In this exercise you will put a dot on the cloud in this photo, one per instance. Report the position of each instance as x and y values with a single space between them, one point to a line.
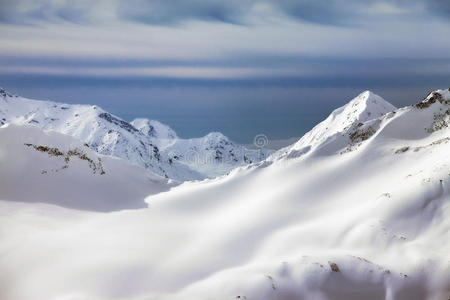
163 12
353 12
441 7
29 11
334 12
275 71
158 12
170 12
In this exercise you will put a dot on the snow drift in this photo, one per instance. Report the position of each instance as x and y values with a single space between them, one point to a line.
357 209
51 167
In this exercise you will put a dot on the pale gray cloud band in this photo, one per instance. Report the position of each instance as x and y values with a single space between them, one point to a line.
164 12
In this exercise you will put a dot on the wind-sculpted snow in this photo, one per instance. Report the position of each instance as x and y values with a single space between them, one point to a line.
319 222
56 168
147 143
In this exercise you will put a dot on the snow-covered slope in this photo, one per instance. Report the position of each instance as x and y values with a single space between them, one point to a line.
164 135
213 154
366 220
344 128
142 142
55 168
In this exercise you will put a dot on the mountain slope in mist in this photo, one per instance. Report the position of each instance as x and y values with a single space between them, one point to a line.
359 208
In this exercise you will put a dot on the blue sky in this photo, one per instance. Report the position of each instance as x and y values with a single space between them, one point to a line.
242 67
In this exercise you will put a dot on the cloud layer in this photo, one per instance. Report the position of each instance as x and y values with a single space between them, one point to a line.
160 12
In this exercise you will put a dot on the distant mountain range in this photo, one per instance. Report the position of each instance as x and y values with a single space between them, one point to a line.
147 143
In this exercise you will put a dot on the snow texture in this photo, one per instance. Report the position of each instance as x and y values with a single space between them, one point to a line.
347 212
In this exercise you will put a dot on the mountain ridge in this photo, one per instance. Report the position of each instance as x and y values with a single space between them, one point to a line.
345 127
152 145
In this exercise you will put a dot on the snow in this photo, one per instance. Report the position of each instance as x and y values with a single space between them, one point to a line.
334 130
86 181
213 154
338 215
146 143
164 135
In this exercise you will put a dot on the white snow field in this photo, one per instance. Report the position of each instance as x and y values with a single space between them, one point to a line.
359 208
51 167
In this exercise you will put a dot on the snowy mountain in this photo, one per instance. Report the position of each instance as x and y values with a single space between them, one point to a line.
358 208
345 128
51 167
146 143
163 134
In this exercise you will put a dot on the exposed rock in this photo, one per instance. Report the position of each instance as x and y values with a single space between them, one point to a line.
430 99
334 267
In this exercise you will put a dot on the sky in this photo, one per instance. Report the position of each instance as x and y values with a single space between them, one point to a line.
241 67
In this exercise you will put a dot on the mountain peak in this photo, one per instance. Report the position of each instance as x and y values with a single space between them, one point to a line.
439 95
216 136
365 107
160 134
147 143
